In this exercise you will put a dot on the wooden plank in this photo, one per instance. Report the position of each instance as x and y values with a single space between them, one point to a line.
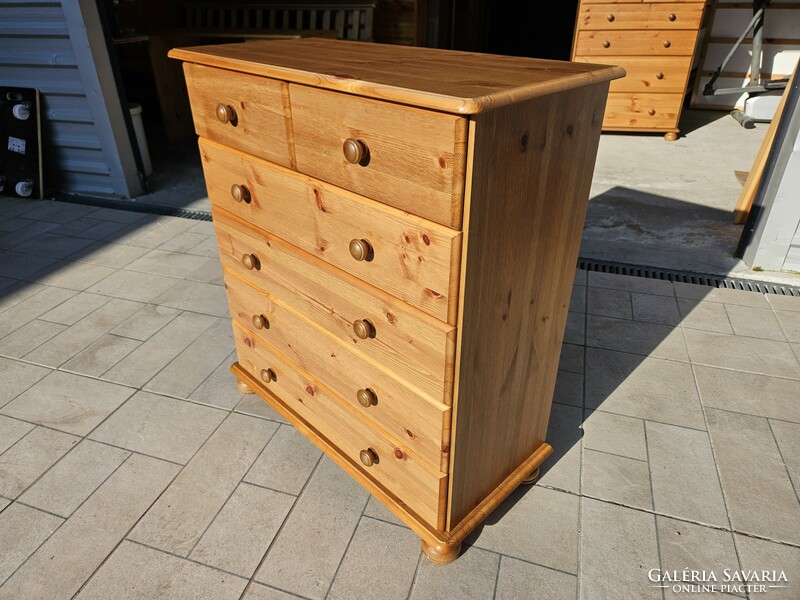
662 16
657 112
531 173
663 75
599 44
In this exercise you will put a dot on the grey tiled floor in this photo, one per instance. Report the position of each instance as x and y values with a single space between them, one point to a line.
130 467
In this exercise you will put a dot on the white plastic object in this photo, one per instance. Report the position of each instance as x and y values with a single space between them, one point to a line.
24 188
22 111
141 140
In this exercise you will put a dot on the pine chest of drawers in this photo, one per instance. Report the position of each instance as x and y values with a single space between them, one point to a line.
654 41
398 229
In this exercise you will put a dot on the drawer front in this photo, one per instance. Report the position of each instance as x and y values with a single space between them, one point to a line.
411 159
661 15
258 123
413 259
599 44
644 73
418 486
643 111
414 346
421 424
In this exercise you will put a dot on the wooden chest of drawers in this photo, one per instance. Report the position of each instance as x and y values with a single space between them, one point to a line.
398 229
654 41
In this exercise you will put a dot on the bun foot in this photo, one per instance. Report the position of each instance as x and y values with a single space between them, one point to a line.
671 136
441 554
532 477
243 387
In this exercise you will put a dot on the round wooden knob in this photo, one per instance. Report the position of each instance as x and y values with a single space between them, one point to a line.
672 16
610 18
260 322
667 43
240 193
354 150
606 44
368 457
659 75
651 112
226 113
267 375
366 397
360 249
363 329
250 262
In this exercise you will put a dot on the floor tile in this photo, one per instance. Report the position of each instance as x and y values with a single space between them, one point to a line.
219 388
71 275
758 492
11 431
177 521
67 559
141 365
148 321
709 294
59 212
618 548
787 435
655 309
328 512
183 242
609 303
252 404
243 530
695 494
172 264
200 358
575 332
33 307
760 554
520 579
74 478
257 591
101 355
18 377
22 531
19 265
392 554
76 308
742 354
780 303
111 255
102 230
471 577
631 284
708 316
790 324
29 337
571 358
643 387
24 462
156 233
616 479
210 271
130 285
68 402
120 216
569 388
159 426
577 302
50 244
758 395
377 510
754 322
198 297
286 463
529 513
615 434
562 469
16 291
649 339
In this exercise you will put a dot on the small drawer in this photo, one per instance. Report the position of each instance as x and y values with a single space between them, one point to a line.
599 44
650 111
422 424
665 75
417 348
640 16
408 158
386 461
406 256
240 110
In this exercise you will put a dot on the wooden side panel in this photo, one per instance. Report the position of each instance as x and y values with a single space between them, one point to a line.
531 174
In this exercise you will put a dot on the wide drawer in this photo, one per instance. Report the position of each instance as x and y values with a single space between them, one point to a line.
409 158
642 111
645 43
665 74
414 346
415 484
409 257
240 110
422 424
661 15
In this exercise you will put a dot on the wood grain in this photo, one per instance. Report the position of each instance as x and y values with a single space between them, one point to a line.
642 16
642 73
444 80
413 346
413 259
531 172
632 111
624 43
416 157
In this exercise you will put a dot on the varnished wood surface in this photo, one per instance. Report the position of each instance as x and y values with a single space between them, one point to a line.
448 81
640 16
417 348
634 43
531 171
632 111
413 259
642 73
423 425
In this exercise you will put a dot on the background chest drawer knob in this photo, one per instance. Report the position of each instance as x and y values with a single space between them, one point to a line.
659 75
250 262
363 329
260 322
268 375
366 397
355 151
667 43
226 114
368 457
610 18
360 249
606 44
651 112
240 193
672 16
